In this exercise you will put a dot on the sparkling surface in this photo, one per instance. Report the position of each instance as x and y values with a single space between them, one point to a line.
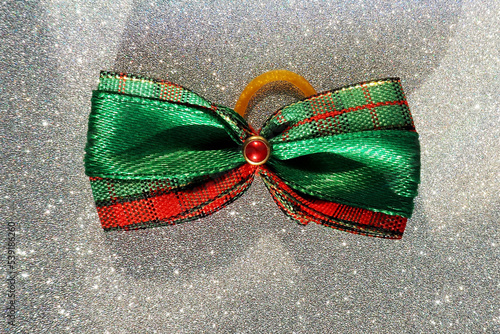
247 268
256 151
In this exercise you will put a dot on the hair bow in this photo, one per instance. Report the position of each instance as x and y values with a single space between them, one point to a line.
160 154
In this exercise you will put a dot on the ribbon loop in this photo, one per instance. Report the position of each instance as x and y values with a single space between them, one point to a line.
133 135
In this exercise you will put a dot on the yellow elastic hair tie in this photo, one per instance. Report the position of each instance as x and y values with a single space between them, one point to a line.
277 75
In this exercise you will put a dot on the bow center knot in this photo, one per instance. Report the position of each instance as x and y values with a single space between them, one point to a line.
256 150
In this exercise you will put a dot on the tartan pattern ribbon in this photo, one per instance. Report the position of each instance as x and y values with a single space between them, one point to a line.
160 154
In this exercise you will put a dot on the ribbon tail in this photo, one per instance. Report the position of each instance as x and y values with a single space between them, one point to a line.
304 209
138 204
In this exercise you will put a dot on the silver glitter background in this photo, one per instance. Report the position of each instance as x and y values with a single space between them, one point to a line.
247 268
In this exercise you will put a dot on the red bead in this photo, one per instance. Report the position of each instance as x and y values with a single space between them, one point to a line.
256 151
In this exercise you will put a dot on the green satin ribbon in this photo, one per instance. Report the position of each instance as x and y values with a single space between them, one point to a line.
140 138
373 169
136 138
